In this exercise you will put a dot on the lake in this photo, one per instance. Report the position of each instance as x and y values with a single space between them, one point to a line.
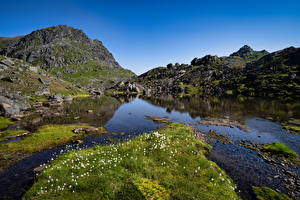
124 118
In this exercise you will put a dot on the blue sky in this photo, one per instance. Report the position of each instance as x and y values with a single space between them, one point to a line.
143 34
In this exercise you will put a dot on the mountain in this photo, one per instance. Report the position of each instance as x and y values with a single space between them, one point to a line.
258 73
67 53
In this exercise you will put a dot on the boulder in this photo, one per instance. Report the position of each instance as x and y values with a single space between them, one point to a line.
43 91
7 62
11 105
56 97
43 81
68 98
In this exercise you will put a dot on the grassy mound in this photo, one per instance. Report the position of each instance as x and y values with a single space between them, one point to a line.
280 149
168 164
265 193
46 137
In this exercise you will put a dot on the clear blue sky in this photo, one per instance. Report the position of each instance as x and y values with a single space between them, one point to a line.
144 34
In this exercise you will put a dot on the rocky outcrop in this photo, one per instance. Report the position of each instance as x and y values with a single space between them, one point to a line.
245 72
11 104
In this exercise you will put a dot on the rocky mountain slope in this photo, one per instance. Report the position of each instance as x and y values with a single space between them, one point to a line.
22 84
245 72
67 53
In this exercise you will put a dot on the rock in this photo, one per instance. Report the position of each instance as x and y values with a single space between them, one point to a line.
96 91
90 111
3 67
78 141
43 81
38 169
7 62
7 79
68 98
11 105
15 136
56 97
43 91
79 130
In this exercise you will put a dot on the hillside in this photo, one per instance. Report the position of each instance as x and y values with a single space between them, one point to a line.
67 53
245 72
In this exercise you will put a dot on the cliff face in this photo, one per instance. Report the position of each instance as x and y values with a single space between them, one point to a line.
68 53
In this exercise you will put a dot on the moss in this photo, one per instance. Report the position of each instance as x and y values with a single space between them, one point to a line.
4 122
229 92
11 134
279 148
220 138
265 193
151 189
292 129
157 165
46 137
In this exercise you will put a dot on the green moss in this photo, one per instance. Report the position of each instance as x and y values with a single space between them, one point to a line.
229 92
292 129
265 193
11 133
280 149
46 137
167 164
4 122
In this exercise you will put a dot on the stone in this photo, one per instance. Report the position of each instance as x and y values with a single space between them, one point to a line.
7 62
7 79
43 81
89 111
57 97
79 130
68 98
43 91
12 105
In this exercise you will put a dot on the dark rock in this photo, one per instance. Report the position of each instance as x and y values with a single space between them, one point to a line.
96 91
44 81
7 79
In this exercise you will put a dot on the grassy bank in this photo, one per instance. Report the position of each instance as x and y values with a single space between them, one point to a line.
46 137
168 164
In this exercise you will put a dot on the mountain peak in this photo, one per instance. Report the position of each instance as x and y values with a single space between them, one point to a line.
244 52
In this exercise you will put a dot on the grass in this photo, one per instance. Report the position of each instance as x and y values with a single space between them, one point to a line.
292 129
6 133
265 193
280 149
46 137
168 164
4 122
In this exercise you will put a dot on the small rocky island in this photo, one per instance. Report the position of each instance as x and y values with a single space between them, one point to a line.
75 124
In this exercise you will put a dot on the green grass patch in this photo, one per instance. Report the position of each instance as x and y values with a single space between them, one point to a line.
265 193
46 137
4 122
292 129
5 135
280 149
166 164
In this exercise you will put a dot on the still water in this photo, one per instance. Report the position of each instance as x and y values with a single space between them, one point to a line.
127 116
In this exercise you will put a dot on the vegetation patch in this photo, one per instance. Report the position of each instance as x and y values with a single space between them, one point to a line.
4 122
279 148
292 129
165 164
219 137
265 193
46 137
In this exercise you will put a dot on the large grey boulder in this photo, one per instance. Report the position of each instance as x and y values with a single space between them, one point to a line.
10 105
